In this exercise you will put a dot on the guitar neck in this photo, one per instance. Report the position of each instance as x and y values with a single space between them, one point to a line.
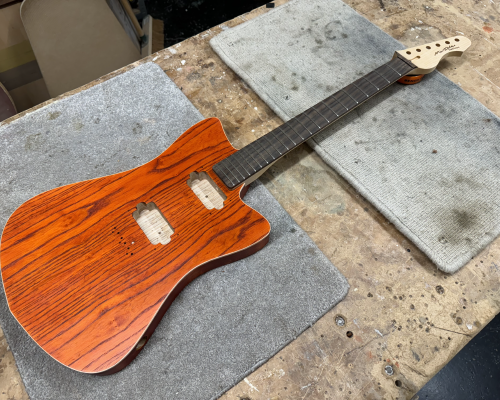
252 159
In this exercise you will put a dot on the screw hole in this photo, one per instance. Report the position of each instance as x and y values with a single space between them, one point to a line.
457 40
131 254
349 334
121 237
419 50
447 42
398 383
438 45
418 56
340 320
408 52
427 47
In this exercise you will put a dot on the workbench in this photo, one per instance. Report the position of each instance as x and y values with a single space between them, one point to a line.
404 319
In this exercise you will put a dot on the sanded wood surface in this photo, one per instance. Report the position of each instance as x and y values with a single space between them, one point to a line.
83 279
400 309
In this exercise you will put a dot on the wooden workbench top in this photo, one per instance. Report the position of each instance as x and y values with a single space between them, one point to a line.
401 310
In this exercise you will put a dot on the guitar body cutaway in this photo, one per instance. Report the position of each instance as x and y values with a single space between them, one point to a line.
85 281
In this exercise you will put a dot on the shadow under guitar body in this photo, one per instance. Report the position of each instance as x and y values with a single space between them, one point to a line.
84 280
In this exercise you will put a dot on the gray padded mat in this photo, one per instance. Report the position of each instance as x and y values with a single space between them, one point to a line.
445 201
225 323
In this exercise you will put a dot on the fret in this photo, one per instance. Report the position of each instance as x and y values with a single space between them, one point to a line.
278 137
389 65
230 170
348 94
256 156
360 89
238 158
268 150
246 157
387 73
306 114
332 97
294 121
308 125
400 65
249 155
222 166
377 79
284 131
334 105
354 93
278 143
383 77
345 100
326 105
259 153
289 143
366 87
271 150
326 112
266 138
229 160
265 153
371 83
315 109
241 158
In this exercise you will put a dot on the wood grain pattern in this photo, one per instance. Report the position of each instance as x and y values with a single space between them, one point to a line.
82 278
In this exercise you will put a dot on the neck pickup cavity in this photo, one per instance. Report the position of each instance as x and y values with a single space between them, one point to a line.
206 190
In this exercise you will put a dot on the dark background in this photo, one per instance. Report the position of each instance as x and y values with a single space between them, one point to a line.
185 18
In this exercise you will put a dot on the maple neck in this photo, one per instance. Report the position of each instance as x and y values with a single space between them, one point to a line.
252 159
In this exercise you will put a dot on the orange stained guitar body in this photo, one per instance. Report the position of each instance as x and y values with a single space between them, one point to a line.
84 280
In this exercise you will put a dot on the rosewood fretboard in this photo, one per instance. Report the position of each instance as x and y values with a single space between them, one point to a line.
256 156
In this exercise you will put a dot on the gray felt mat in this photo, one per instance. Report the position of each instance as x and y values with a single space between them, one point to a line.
445 201
225 323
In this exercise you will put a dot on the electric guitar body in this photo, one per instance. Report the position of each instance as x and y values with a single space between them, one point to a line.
90 268
89 279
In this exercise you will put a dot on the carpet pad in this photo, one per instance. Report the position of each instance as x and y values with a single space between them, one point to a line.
425 155
225 323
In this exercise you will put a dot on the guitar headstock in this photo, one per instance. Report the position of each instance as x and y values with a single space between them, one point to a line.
427 56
